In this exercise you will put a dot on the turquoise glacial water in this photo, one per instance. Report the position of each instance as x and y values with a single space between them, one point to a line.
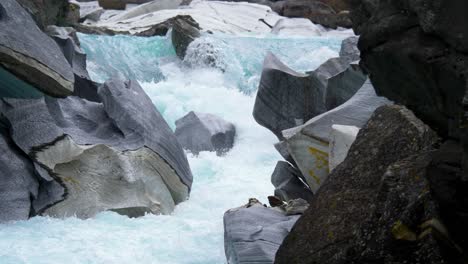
193 233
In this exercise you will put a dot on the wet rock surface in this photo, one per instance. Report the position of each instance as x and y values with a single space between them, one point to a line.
325 233
111 155
288 183
253 233
184 31
205 132
286 98
31 55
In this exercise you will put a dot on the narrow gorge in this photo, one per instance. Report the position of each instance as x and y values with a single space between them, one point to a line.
238 132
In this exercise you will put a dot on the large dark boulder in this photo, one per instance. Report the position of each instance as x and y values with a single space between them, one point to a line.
29 54
326 233
116 155
416 54
286 98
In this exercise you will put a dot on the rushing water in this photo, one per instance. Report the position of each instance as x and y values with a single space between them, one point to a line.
194 232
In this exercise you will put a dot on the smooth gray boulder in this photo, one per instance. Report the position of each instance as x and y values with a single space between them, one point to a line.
349 48
288 183
286 98
253 234
118 154
31 55
18 184
309 144
205 132
69 43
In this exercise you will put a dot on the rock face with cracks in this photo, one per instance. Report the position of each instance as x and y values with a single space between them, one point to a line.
28 53
116 155
327 231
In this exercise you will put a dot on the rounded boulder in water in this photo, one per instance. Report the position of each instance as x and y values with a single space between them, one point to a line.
205 132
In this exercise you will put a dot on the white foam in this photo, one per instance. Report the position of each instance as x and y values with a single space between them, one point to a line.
193 234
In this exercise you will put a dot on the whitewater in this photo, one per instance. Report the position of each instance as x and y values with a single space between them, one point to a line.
193 233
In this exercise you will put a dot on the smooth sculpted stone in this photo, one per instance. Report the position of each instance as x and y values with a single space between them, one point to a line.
118 154
286 98
309 144
341 139
349 48
205 132
327 231
253 234
288 183
184 31
18 184
69 43
296 26
211 16
31 55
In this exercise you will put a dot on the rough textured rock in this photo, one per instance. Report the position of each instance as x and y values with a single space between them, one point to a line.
205 132
341 139
405 224
253 234
417 57
327 230
112 4
117 154
309 144
47 12
296 206
184 31
318 12
447 178
288 183
18 184
287 98
31 55
68 42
